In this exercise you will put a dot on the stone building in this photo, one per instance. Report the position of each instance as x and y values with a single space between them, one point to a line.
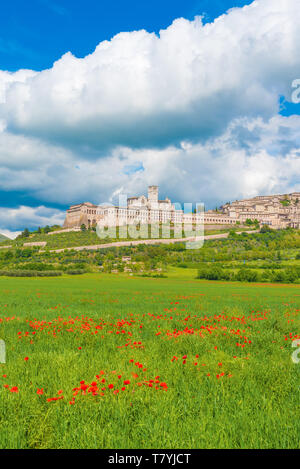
278 211
140 209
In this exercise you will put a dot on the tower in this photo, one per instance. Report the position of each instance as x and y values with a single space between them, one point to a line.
153 194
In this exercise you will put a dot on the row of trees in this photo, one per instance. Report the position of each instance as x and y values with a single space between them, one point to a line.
289 275
26 233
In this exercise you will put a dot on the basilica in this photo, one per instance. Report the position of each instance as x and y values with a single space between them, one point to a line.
277 211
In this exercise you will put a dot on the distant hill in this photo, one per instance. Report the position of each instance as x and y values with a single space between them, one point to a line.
66 239
3 238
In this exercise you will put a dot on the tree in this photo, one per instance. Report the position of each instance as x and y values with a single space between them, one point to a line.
285 202
232 234
291 275
247 275
265 229
83 227
25 233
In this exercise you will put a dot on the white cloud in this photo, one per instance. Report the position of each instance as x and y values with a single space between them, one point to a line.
10 234
194 110
24 216
141 90
251 157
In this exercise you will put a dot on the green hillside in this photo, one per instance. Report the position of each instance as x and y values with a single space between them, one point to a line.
88 237
268 256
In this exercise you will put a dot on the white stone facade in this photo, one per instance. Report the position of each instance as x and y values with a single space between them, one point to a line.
141 209
278 211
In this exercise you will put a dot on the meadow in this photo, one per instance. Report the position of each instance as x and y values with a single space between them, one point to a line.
119 361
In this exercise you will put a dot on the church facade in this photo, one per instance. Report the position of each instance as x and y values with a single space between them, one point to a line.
278 211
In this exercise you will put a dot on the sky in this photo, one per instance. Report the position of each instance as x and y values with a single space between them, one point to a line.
103 98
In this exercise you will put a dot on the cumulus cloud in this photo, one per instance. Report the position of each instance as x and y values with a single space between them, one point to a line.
193 109
251 157
23 216
144 90
263 159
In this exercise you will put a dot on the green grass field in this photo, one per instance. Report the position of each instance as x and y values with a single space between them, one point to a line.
237 387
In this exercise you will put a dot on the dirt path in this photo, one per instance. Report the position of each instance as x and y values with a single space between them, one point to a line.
145 241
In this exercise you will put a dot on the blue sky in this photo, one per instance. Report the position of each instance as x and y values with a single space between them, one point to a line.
35 33
200 107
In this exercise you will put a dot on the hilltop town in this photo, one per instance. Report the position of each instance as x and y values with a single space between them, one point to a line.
276 211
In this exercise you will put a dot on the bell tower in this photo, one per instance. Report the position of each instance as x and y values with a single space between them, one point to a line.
153 194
